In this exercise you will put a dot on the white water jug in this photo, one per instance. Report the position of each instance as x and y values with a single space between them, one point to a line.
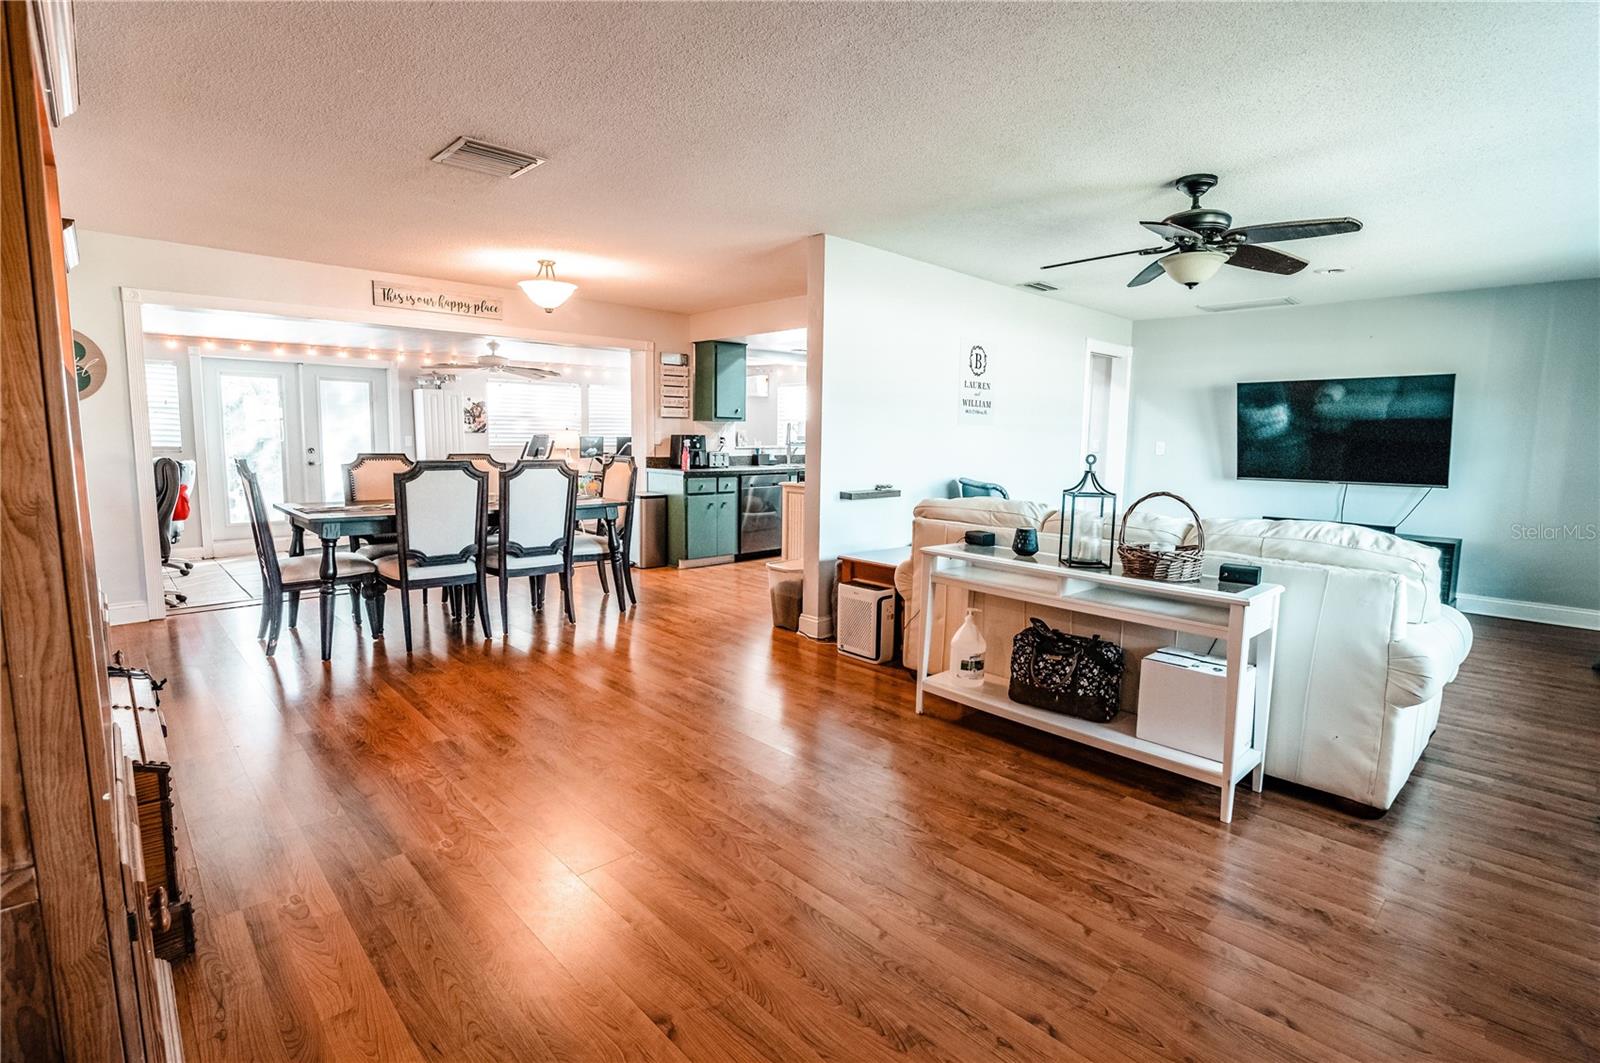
967 651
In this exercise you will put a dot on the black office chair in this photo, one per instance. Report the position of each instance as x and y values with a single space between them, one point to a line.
966 488
171 476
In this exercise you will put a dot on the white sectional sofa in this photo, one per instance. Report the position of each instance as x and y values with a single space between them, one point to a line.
1365 648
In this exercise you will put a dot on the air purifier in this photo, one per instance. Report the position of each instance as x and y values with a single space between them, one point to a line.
865 624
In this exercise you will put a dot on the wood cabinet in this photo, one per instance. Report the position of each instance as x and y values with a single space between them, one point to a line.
719 384
712 524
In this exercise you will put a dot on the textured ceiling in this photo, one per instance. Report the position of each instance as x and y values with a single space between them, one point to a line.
692 145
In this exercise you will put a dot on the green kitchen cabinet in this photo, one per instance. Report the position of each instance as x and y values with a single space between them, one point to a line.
711 524
719 381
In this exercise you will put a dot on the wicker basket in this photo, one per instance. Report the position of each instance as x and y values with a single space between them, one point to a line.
1178 565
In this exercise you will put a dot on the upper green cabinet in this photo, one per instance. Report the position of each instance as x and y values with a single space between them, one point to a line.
719 381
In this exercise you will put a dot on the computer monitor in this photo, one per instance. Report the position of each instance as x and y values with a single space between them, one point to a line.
538 447
590 446
624 446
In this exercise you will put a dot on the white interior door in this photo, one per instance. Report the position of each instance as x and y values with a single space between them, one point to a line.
251 411
346 413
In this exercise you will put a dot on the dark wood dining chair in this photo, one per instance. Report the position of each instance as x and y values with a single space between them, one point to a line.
441 521
287 575
370 478
537 530
619 484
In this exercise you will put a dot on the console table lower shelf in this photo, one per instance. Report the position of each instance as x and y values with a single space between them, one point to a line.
1245 619
1114 737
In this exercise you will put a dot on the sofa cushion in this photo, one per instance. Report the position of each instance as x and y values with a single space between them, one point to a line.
982 512
1143 528
1345 545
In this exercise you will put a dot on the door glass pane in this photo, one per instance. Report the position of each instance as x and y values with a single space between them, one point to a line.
344 409
252 429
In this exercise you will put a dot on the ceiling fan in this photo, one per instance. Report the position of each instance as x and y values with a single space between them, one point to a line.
1201 240
494 363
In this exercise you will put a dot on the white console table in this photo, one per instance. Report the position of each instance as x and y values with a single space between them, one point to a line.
1246 618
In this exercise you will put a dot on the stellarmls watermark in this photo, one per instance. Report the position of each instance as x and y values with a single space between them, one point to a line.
1581 532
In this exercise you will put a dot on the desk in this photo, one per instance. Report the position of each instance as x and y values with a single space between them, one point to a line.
332 521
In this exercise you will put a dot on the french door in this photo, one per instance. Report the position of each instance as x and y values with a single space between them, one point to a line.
296 425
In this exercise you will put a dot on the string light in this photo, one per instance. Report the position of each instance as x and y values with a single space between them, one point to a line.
279 351
246 347
208 345
172 344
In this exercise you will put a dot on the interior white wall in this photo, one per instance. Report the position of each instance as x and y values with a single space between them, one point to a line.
1525 453
885 372
774 315
111 263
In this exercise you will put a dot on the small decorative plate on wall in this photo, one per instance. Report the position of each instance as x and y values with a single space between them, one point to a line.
90 363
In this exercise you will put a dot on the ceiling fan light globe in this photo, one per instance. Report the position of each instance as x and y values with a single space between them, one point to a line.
1190 268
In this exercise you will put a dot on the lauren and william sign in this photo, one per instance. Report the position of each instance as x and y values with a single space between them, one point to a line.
437 300
977 389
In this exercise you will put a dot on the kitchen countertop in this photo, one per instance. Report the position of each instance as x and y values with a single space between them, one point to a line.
738 470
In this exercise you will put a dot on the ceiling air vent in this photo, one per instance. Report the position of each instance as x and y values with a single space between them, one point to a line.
1039 286
482 157
1259 304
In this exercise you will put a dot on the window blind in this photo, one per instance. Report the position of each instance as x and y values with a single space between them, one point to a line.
610 411
161 394
519 408
792 408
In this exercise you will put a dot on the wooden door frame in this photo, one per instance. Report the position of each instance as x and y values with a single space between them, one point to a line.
53 659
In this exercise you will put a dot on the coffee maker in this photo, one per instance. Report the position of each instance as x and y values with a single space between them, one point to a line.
689 452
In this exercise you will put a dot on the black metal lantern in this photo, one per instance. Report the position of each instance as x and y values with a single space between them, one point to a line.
1088 522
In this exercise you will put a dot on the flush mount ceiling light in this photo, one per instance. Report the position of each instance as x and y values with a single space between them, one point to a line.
1189 268
546 292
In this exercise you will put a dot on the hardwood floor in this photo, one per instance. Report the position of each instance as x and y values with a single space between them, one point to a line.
685 836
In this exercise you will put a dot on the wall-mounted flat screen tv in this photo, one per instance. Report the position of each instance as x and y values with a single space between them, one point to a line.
1361 430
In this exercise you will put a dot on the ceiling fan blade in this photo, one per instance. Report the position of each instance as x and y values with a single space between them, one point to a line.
1175 233
1114 254
1148 274
1266 260
451 367
528 372
1292 230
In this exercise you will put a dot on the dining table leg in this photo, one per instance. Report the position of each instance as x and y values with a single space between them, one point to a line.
327 573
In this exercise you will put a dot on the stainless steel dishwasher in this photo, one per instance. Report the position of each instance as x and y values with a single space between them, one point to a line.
761 514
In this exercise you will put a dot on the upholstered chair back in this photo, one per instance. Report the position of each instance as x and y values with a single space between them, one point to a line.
370 477
536 508
440 510
485 464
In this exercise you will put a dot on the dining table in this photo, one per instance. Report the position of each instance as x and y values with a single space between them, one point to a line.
329 522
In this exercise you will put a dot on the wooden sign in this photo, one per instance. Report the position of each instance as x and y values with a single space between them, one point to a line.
437 300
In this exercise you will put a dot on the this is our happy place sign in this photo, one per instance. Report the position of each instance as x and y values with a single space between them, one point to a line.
436 300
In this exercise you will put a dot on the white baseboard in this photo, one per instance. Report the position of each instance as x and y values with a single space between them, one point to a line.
127 613
1536 612
819 628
